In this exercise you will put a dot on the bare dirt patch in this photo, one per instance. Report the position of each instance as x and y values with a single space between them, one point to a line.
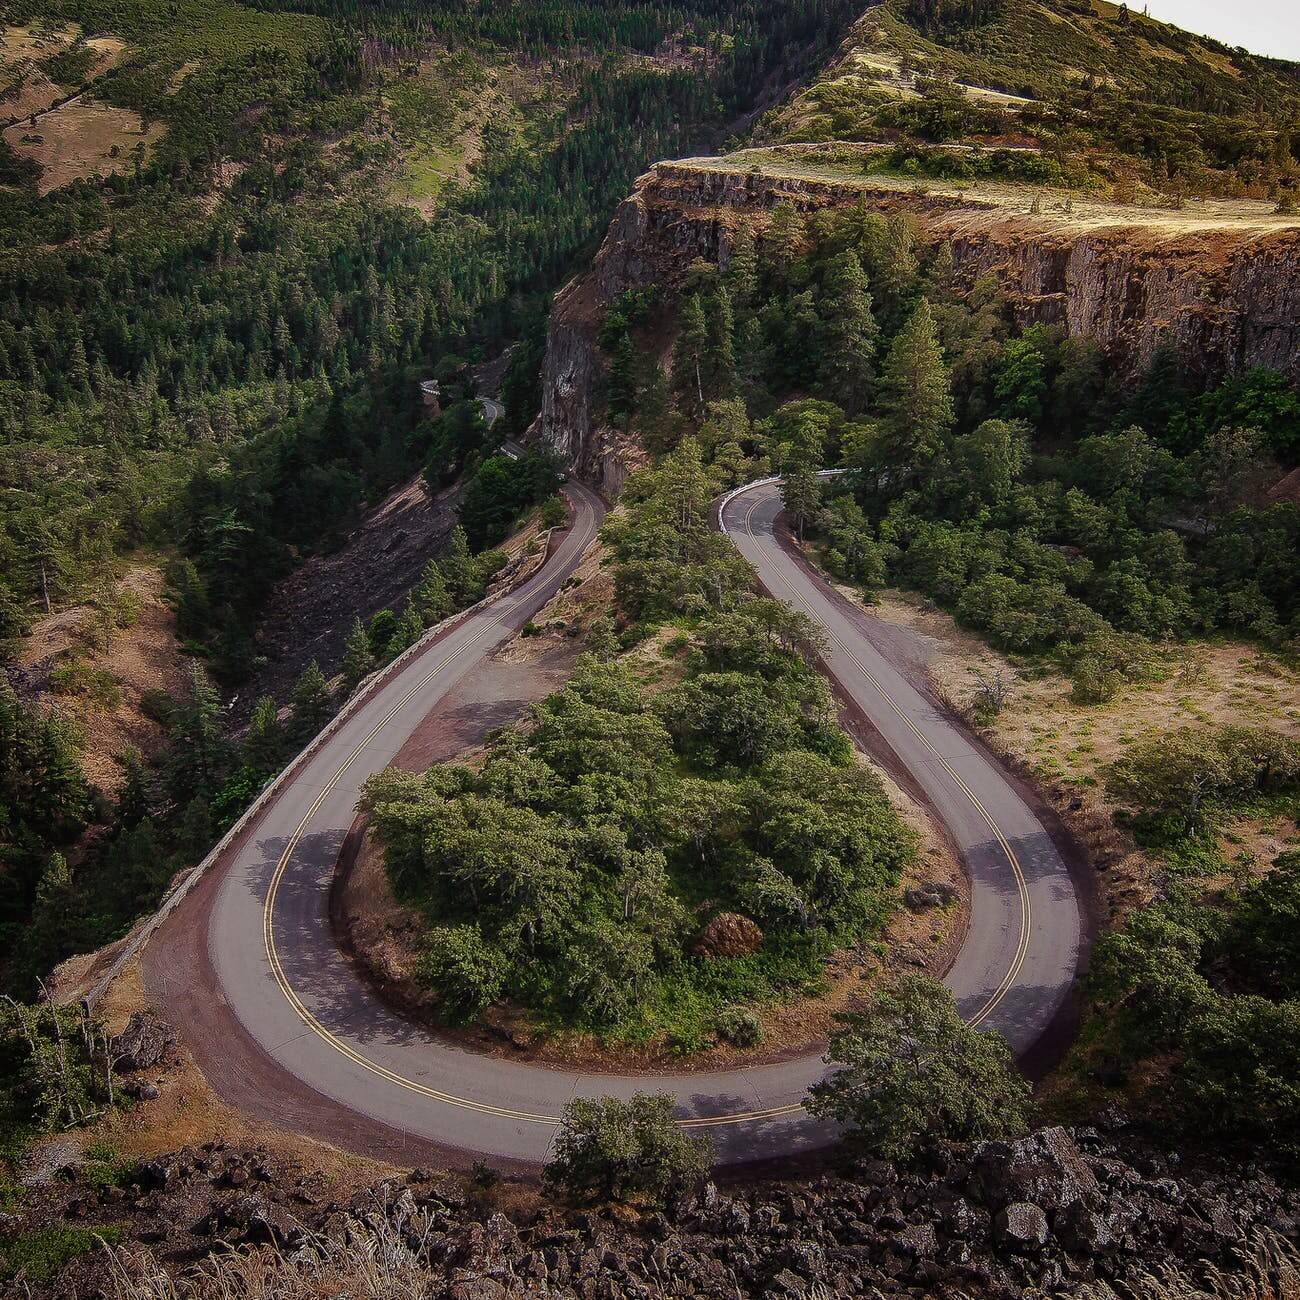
186 1112
85 643
83 138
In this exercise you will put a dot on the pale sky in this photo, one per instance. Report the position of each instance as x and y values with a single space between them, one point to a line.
1263 26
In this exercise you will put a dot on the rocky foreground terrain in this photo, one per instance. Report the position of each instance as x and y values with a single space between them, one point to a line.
1053 1211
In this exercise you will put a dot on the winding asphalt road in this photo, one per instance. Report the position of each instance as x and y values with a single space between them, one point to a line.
296 1000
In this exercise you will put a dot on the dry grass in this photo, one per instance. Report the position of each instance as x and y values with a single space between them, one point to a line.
840 164
1067 747
24 87
140 656
377 1260
1268 1269
383 1260
82 138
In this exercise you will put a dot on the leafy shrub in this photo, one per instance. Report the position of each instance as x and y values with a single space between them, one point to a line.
739 1026
1181 774
633 1150
40 1256
463 968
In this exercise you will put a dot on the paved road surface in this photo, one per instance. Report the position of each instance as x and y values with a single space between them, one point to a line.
1023 948
280 975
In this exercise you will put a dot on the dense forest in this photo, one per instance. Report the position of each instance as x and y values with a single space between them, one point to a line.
212 353
230 370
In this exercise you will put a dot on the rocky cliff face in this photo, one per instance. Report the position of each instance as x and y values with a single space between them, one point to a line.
1225 298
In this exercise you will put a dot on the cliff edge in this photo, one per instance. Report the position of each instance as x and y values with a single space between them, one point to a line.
1216 280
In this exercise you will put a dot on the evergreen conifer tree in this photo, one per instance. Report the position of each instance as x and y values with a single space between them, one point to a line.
916 393
358 657
311 703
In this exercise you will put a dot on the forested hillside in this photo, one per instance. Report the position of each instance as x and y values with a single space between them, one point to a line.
1104 97
214 348
232 240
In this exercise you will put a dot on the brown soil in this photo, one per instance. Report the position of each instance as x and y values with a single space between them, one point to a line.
140 657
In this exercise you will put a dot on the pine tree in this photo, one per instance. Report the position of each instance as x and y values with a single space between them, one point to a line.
264 741
358 657
658 419
458 568
52 933
916 394
409 629
801 494
310 703
785 237
690 353
622 385
198 746
849 333
741 276
721 381
751 350
431 596
131 806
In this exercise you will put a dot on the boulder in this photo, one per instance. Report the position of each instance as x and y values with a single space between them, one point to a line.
142 1044
931 893
1044 1168
1022 1227
729 934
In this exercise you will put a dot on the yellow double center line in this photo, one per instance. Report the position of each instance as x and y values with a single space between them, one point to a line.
344 1048
1022 947
466 1103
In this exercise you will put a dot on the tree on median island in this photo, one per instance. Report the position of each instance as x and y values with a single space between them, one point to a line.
912 1069
612 1150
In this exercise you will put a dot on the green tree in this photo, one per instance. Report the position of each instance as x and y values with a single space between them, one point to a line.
801 493
631 1151
848 333
198 745
466 971
720 351
916 394
621 388
457 567
310 705
13 623
741 275
263 746
911 1069
690 358
431 596
358 657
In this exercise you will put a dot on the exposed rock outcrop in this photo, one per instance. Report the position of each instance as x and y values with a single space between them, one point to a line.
1225 298
940 1228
